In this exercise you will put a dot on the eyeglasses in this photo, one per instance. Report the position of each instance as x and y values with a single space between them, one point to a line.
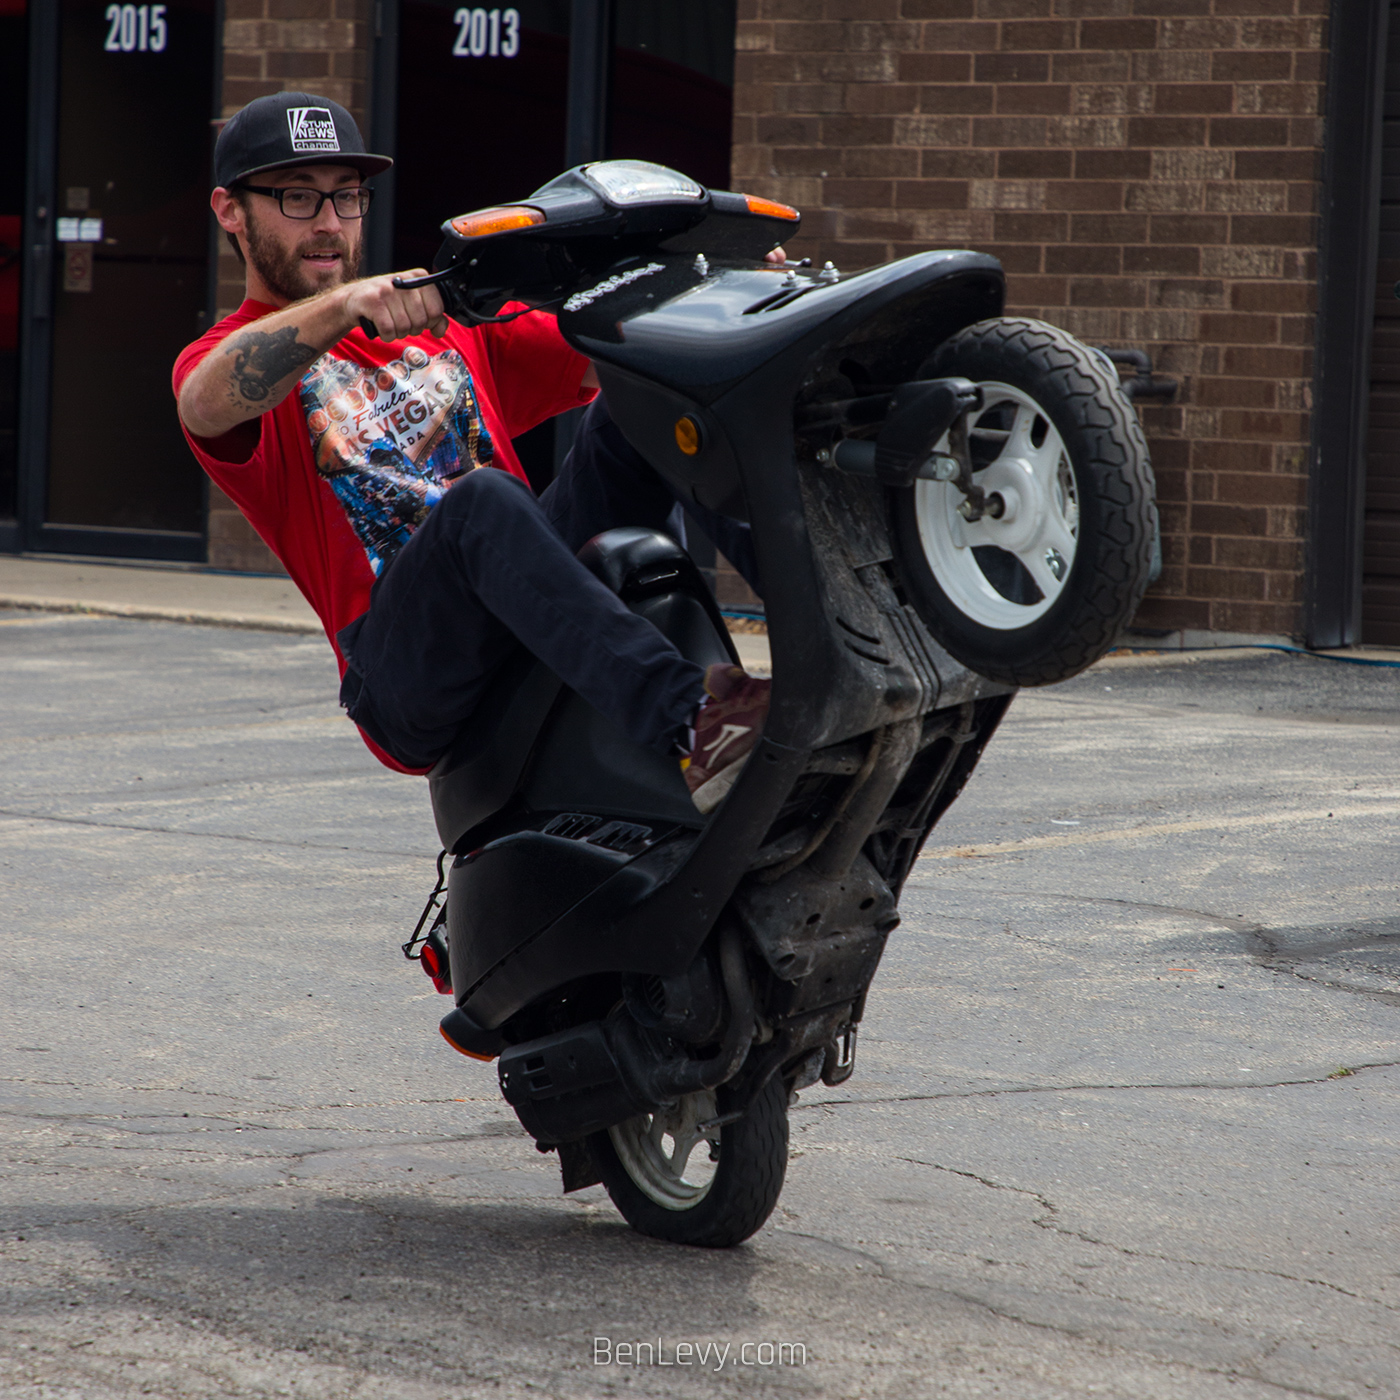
298 202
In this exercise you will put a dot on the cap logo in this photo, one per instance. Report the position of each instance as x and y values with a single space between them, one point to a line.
312 129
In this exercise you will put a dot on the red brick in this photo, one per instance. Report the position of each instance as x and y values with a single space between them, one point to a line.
1113 165
1228 520
1264 490
964 98
1199 292
1107 291
874 162
787 130
1038 36
1118 34
1234 66
1084 194
857 131
998 132
1093 67
1029 228
1276 165
1232 456
882 97
1074 257
1201 229
1282 297
1049 98
1243 423
938 9
1156 612
1109 228
1226 326
935 67
953 165
1282 362
1248 131
1275 230
1212 391
858 194
1035 165
931 194
1162 261
1014 9
1040 291
976 38
1166 131
1193 99
1011 67
1020 258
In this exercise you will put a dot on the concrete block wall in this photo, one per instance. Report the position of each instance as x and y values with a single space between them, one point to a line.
1146 170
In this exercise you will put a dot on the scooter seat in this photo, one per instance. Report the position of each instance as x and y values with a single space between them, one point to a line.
583 760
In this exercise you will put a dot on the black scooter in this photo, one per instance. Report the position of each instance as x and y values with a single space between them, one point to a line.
946 504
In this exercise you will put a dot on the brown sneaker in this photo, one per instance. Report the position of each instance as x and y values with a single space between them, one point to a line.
725 733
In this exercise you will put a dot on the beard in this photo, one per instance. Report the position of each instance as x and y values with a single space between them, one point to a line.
285 272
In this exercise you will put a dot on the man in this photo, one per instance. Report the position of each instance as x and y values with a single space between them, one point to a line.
367 467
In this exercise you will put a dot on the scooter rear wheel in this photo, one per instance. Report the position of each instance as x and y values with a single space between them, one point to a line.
1044 582
675 1183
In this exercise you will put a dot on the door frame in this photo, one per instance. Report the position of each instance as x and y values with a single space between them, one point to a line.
1346 274
31 533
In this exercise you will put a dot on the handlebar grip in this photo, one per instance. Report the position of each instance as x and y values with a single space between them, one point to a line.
369 328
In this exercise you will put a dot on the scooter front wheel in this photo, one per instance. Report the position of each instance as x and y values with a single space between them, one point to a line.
676 1181
1039 582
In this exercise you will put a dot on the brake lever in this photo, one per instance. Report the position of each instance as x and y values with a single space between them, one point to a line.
409 284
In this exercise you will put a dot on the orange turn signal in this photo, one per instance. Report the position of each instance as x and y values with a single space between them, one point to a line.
502 220
770 208
688 437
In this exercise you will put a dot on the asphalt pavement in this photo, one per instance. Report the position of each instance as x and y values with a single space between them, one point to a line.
1124 1121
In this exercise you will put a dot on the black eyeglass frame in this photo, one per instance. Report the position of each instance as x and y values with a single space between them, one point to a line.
366 198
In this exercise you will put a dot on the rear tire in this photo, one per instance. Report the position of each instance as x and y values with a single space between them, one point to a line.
1037 595
698 1205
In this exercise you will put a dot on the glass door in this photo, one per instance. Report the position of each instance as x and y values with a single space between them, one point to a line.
14 89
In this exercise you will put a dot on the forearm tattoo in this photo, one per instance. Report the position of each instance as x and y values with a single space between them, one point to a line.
263 359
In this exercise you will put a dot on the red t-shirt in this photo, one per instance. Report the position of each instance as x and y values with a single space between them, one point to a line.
338 476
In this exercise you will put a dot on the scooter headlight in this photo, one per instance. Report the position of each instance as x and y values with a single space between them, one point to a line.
625 182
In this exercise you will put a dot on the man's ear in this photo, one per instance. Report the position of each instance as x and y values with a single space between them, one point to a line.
229 211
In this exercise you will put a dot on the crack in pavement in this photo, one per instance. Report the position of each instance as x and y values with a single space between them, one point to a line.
1096 1088
1074 1334
208 835
1048 1222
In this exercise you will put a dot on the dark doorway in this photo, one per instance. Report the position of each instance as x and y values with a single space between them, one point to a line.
482 111
1380 549
126 226
14 90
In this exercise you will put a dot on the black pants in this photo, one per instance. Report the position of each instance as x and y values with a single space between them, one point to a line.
492 569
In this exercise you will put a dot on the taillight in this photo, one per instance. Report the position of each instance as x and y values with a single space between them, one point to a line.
505 219
770 208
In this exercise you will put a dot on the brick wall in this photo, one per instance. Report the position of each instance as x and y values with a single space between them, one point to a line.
318 46
1145 170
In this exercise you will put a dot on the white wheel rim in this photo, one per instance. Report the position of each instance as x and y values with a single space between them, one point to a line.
1019 455
666 1155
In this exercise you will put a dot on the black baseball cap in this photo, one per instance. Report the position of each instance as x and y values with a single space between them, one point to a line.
288 129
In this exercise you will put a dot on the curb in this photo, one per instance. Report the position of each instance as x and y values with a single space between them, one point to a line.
253 622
